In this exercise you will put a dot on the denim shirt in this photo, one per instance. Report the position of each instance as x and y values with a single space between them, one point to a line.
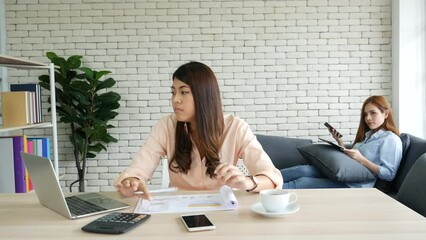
383 148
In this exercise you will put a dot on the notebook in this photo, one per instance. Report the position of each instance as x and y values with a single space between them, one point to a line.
332 144
50 195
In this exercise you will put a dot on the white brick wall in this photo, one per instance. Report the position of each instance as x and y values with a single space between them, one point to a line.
283 66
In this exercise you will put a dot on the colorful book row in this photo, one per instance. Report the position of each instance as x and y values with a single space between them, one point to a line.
22 105
14 177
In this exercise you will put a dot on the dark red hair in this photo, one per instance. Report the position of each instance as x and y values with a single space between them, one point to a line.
383 105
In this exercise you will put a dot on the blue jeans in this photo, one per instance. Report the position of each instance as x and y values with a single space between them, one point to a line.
307 176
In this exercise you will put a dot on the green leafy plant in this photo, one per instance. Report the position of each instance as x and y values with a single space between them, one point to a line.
82 100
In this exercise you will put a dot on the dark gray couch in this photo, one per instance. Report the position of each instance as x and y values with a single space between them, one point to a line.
408 187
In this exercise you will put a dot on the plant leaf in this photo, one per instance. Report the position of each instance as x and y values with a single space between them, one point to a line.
80 97
81 86
89 73
97 148
109 97
100 74
51 55
74 62
109 82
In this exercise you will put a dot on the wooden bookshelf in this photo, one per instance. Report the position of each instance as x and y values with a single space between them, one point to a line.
37 125
12 62
19 63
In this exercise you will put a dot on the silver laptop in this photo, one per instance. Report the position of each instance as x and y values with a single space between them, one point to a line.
50 195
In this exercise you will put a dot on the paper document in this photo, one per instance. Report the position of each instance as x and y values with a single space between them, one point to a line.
223 200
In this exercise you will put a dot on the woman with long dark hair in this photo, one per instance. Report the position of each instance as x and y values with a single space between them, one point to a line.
201 144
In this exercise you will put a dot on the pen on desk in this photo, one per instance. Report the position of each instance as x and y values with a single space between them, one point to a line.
172 189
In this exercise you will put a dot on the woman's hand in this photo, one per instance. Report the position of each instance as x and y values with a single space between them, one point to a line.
354 154
128 186
357 156
335 134
230 175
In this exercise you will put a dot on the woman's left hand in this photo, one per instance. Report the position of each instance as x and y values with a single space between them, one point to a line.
354 154
228 174
357 156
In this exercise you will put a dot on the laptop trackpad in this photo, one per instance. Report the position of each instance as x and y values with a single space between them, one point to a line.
101 200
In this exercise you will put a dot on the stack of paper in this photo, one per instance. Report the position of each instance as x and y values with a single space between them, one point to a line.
223 200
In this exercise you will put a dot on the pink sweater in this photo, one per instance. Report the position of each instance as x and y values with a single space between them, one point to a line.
239 142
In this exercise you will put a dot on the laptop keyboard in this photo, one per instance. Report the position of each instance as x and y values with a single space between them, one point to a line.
79 206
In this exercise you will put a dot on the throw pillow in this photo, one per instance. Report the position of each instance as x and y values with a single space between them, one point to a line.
282 150
334 164
387 186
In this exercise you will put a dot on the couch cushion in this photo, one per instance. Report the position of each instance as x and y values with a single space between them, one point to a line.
416 148
405 140
386 186
412 192
283 150
336 165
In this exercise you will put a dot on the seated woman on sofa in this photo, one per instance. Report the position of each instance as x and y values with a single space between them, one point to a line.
377 147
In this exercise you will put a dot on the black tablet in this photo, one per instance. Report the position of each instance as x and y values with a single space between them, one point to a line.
333 144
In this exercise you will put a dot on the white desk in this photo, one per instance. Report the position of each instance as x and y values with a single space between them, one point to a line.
324 214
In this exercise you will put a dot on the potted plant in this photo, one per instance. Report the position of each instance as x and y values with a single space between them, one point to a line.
83 102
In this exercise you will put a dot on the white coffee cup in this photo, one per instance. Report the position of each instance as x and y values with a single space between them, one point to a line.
276 200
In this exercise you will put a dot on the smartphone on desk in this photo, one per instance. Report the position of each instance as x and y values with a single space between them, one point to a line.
331 128
197 222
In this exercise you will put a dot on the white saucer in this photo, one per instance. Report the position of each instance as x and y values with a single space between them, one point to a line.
258 208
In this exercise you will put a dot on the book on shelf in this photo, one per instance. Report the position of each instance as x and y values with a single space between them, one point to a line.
20 171
15 108
36 97
30 149
7 168
28 182
38 146
17 174
14 176
41 146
